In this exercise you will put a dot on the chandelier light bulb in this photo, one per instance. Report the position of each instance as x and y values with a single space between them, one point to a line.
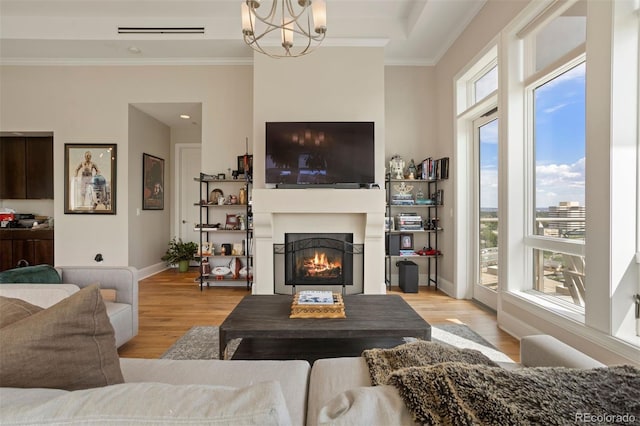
319 9
287 34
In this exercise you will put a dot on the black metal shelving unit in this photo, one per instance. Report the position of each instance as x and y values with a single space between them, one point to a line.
430 220
207 230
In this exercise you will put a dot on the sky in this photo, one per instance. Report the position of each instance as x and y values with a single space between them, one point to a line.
559 137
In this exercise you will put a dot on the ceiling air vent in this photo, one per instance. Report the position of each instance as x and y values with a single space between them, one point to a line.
160 30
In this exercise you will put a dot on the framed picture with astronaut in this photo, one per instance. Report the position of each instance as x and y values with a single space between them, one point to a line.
90 178
152 182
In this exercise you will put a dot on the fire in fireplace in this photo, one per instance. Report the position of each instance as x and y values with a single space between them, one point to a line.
318 259
321 266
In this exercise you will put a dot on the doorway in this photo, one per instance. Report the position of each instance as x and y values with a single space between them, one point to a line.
187 191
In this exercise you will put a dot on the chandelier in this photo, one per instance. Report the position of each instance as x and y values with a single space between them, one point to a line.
307 19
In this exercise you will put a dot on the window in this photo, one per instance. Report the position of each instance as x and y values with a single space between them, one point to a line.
561 35
486 84
559 150
571 159
558 183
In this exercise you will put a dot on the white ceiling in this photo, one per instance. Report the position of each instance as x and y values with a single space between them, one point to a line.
414 32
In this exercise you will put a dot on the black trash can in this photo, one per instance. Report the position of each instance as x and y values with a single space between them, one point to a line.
408 276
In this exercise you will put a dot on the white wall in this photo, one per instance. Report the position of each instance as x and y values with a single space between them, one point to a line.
410 112
91 105
149 230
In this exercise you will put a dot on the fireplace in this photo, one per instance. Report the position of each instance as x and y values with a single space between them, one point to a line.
312 259
318 259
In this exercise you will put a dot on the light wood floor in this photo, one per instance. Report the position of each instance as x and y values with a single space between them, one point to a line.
170 303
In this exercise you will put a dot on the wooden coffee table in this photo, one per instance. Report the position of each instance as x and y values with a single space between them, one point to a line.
263 322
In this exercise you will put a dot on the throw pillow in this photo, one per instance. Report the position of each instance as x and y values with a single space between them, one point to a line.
38 274
70 345
12 310
383 362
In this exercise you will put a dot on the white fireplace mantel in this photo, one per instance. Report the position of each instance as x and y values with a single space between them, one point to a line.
357 211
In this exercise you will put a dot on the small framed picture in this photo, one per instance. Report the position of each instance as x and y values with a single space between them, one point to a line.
406 241
389 224
221 176
245 164
232 222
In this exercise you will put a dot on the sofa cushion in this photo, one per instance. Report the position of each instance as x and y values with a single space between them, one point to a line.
377 405
293 376
12 310
37 274
42 295
158 403
70 345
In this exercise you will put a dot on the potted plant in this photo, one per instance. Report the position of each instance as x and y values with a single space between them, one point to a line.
181 253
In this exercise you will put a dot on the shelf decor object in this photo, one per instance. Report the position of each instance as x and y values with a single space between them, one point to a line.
334 310
267 20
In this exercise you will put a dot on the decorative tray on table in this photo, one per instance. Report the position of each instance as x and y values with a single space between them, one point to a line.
304 306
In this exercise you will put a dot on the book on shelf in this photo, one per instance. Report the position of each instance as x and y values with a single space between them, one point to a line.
313 297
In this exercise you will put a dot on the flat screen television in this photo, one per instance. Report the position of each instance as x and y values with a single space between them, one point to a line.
322 154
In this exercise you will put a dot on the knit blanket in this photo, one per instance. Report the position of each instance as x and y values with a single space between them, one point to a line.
454 393
383 362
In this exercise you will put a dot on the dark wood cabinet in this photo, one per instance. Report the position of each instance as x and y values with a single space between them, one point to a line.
26 167
13 184
6 255
33 246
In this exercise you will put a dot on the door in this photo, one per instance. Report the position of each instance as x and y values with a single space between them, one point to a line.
486 209
188 191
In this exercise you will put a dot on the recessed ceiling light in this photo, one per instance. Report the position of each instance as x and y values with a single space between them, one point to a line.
135 50
185 116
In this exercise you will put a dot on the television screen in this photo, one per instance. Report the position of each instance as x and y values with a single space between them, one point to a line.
319 153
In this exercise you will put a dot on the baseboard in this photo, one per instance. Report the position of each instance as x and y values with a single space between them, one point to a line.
151 270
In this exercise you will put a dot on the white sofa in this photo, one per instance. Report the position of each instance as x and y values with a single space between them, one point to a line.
122 311
302 389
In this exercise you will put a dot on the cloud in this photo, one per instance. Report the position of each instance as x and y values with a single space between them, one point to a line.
554 108
560 182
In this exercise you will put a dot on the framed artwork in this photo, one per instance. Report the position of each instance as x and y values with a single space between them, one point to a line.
406 241
152 182
243 166
90 178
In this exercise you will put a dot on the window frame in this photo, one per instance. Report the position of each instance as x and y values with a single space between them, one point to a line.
533 241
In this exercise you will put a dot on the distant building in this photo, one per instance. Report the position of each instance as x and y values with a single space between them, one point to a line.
565 227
